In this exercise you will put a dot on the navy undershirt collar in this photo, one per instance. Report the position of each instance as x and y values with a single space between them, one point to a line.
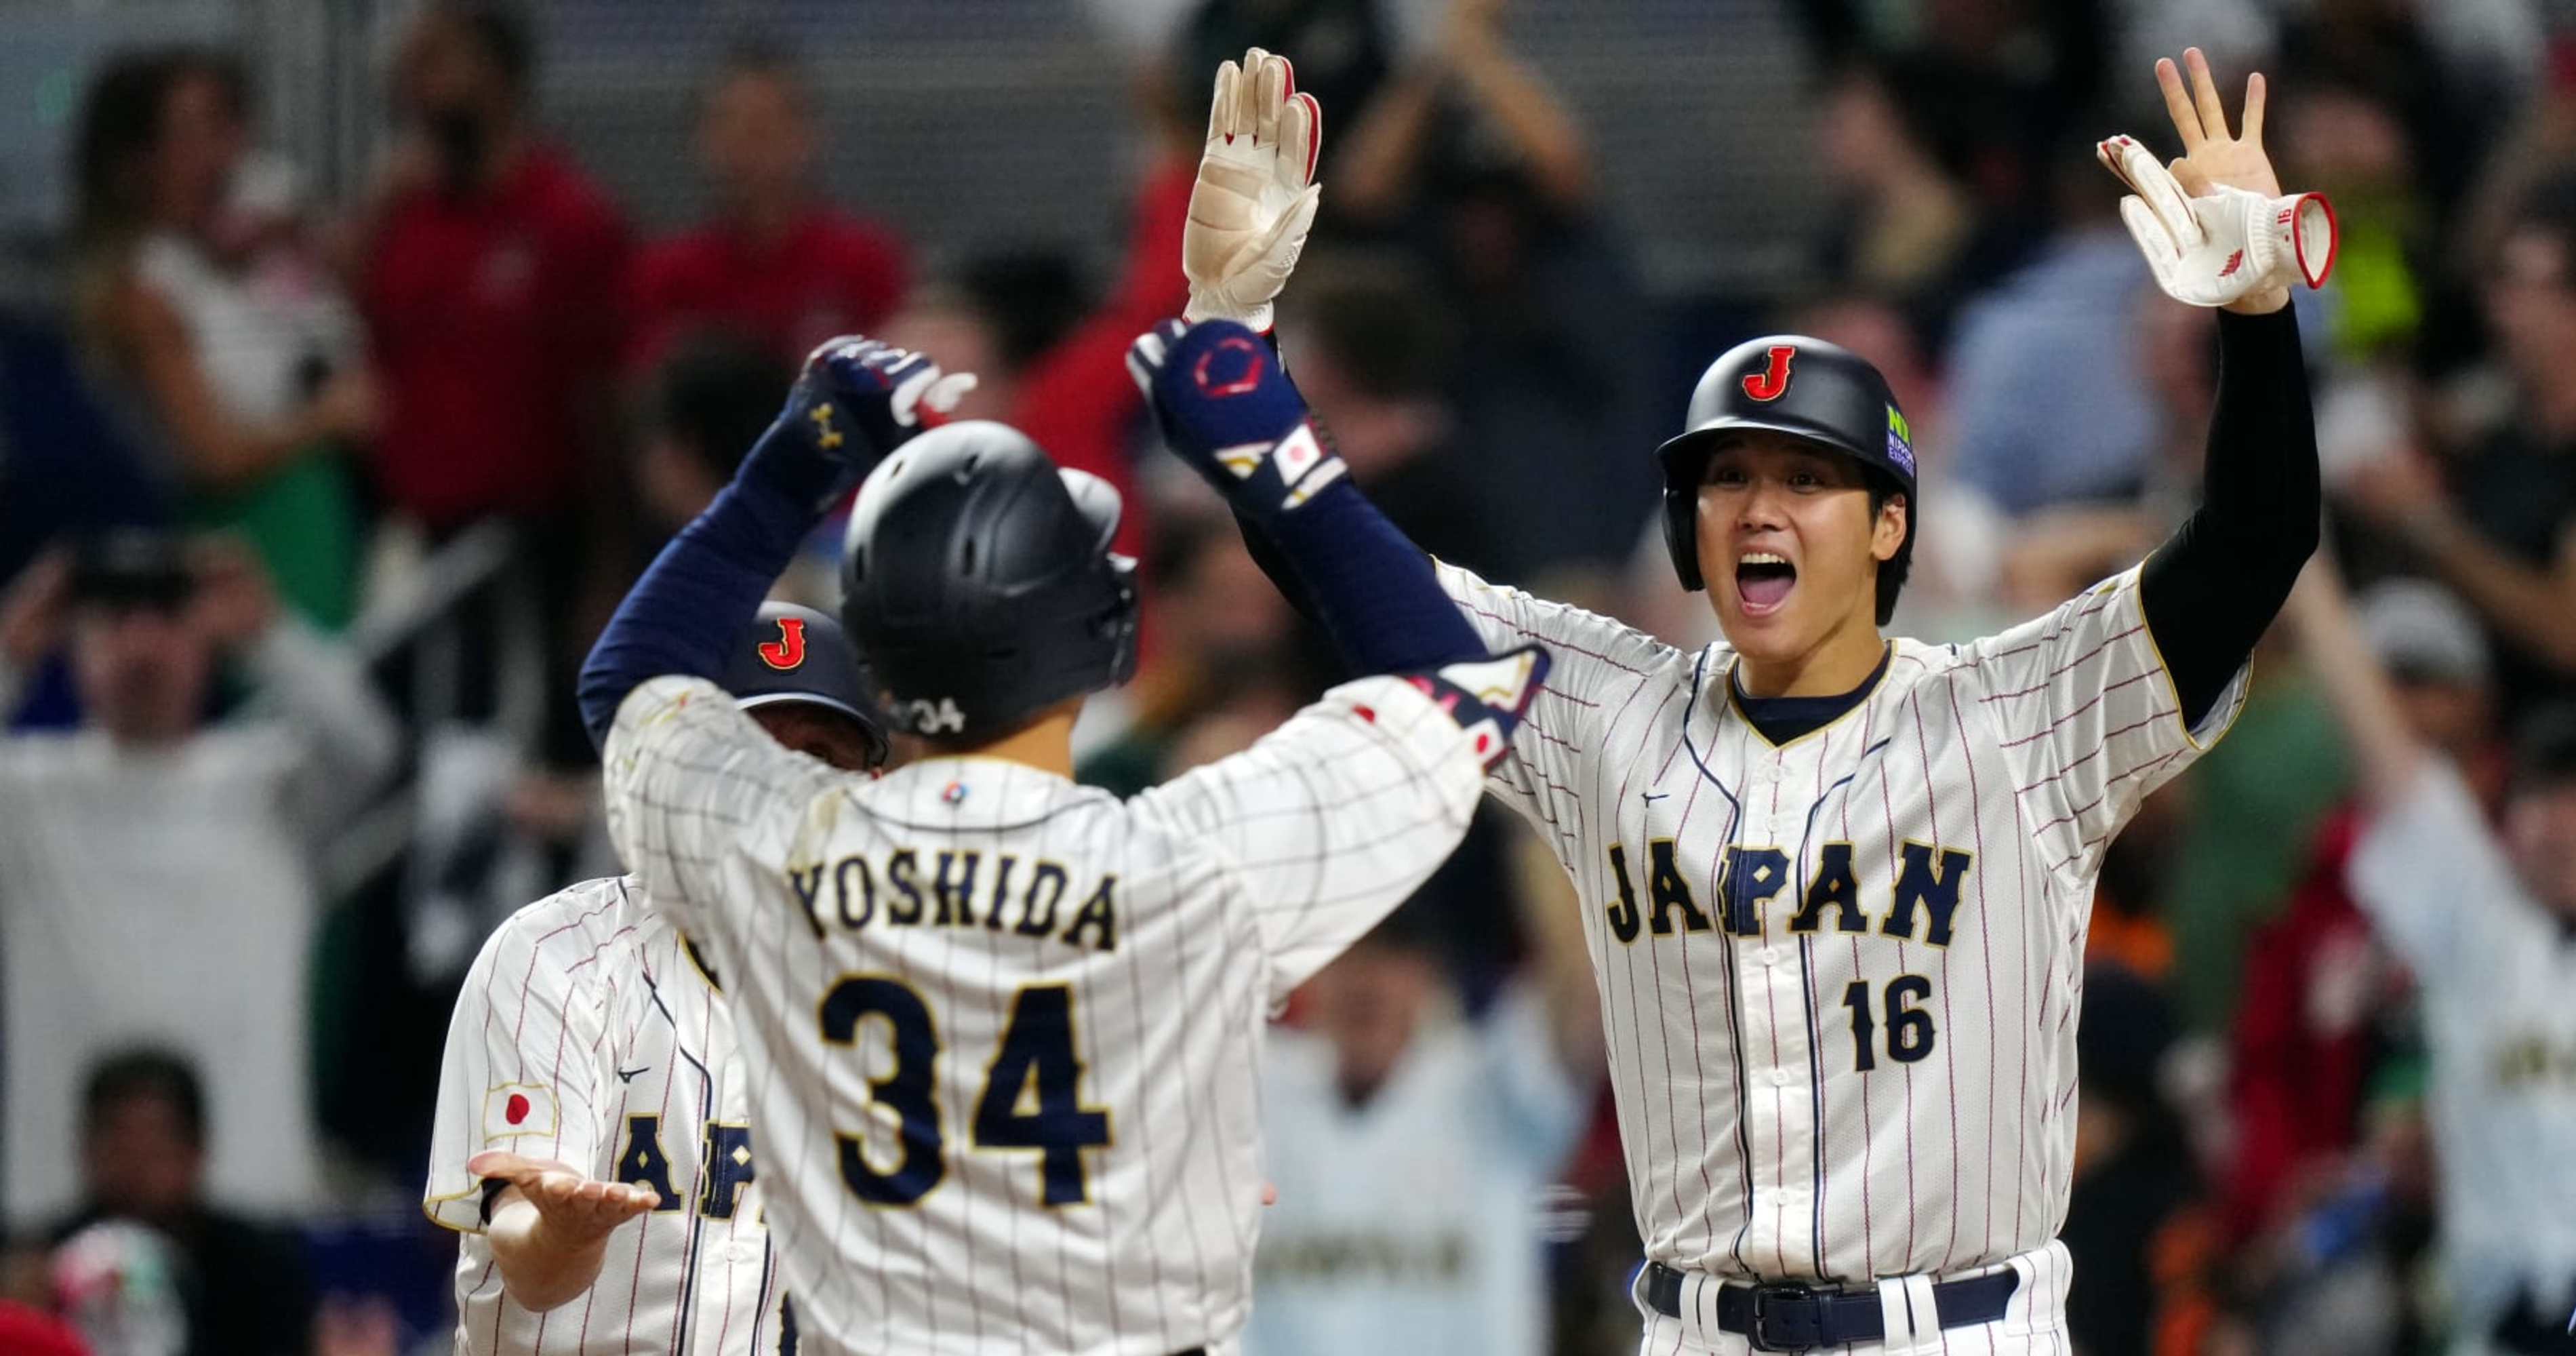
1781 719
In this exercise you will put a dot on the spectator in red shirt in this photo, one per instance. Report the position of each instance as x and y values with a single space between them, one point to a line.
776 265
488 282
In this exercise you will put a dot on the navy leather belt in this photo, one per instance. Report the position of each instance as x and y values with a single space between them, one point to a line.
1789 1317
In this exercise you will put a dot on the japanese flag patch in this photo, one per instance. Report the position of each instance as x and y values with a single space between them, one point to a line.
512 1109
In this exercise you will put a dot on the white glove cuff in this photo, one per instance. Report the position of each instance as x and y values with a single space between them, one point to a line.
2291 239
1258 319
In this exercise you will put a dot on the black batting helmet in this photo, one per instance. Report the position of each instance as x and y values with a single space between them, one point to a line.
1807 388
796 654
979 583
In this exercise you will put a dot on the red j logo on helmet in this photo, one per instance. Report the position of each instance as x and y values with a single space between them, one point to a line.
788 650
1771 382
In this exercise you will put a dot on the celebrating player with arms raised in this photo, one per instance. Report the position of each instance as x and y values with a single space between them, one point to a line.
1836 886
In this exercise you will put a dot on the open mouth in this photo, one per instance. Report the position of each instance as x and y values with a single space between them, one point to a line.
1763 580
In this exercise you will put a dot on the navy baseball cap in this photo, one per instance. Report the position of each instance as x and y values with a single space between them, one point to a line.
796 654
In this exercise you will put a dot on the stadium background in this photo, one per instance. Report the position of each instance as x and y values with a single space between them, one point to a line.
1721 201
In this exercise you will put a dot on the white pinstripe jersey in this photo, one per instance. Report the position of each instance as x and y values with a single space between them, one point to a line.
588 1033
1839 977
1003 1031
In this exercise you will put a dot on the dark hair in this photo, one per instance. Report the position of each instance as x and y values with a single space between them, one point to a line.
1891 571
146 1072
2544 750
120 126
715 394
1377 319
1027 298
500 32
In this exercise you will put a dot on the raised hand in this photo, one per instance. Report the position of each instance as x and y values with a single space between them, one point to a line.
856 400
2213 225
1256 196
2213 157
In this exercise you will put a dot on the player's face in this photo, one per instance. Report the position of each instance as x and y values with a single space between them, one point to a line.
2540 827
817 732
1790 548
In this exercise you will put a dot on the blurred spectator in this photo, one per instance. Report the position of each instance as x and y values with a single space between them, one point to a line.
2502 534
157 870
2132 1171
2061 549
242 1286
192 287
1339 47
996 315
1372 351
1470 162
712 396
2481 912
2312 1021
776 264
1413 1148
1225 643
1903 225
2021 73
2050 406
489 275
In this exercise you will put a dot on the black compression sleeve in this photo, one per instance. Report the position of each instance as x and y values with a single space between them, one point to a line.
2214 586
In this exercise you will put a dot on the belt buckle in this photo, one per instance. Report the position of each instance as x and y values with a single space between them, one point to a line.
1800 1333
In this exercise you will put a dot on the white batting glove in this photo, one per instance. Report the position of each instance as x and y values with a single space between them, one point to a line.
1256 195
2213 249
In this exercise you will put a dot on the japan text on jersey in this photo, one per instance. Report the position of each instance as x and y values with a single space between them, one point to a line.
591 1032
1840 974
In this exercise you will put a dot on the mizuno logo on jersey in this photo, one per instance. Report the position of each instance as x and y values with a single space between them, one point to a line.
915 888
1921 905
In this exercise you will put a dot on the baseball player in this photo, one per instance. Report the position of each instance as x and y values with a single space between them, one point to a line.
1003 1030
2482 912
594 1136
1835 886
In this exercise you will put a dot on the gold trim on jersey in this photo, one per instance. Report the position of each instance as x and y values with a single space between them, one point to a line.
697 962
429 1206
1735 703
2165 671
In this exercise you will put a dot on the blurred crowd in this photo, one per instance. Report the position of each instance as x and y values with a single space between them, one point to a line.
308 508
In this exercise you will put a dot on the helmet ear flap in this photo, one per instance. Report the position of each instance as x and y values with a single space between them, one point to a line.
1681 534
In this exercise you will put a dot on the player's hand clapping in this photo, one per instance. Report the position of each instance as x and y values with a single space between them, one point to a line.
856 400
2214 224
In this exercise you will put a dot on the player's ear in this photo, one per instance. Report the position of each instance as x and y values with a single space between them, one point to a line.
1888 532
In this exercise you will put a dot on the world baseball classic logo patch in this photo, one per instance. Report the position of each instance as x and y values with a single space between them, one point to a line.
512 1109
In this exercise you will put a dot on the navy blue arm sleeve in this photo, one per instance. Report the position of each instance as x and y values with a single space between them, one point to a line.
2211 590
683 615
1366 584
